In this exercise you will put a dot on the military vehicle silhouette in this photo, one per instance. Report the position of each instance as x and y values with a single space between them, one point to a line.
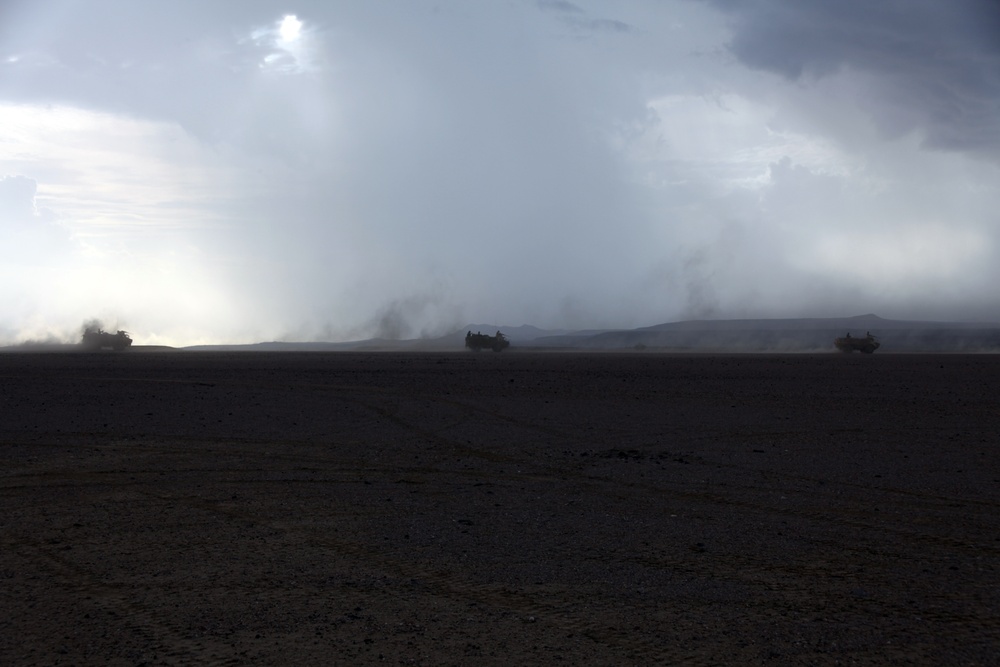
479 341
98 339
865 345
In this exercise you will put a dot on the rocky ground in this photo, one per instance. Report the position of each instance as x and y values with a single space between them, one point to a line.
513 508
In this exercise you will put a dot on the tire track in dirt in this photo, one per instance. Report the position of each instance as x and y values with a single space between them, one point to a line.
575 438
559 609
159 635
539 471
900 498
549 606
553 608
888 498
450 585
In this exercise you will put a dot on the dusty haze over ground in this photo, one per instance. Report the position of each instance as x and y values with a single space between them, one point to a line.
258 170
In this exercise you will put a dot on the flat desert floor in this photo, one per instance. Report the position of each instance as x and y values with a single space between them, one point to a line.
499 509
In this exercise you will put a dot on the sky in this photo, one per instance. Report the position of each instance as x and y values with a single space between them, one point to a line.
251 170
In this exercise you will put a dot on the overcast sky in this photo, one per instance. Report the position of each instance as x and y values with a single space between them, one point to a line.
246 170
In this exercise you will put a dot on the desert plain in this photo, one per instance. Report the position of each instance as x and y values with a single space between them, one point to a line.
456 508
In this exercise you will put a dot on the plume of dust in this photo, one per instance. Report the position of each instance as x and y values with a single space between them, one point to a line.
93 325
41 335
421 316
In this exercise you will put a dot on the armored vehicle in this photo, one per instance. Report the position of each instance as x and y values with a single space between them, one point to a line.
865 345
98 339
479 341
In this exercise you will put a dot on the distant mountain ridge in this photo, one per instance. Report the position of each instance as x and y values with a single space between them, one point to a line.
868 321
791 335
746 335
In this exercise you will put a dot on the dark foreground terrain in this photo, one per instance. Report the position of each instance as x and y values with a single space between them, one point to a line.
184 508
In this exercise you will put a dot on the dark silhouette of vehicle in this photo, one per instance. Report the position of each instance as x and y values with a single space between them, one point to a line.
865 345
98 339
479 341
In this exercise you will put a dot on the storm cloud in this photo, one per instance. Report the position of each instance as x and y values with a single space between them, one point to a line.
242 171
927 66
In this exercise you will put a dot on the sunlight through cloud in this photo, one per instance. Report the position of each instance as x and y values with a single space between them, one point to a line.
288 46
326 168
291 28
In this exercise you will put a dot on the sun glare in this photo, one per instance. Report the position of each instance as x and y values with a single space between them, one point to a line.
291 28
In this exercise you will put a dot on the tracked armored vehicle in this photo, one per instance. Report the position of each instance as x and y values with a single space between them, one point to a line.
865 345
480 341
98 339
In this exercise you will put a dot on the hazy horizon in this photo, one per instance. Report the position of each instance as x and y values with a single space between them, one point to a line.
244 171
948 336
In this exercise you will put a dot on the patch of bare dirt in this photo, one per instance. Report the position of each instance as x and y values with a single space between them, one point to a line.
433 509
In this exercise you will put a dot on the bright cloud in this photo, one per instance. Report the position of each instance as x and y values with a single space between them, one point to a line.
290 28
215 172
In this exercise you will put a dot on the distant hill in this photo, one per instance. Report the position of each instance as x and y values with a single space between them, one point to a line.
791 335
750 335
855 323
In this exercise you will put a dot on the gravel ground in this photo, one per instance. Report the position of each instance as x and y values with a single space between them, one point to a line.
514 508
